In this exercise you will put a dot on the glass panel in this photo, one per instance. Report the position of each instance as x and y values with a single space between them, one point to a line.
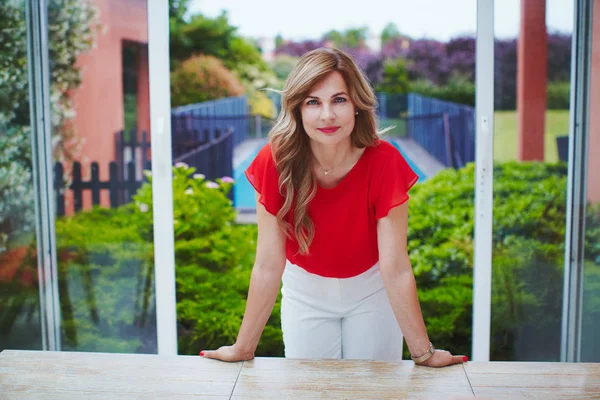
422 69
20 323
532 72
590 341
101 147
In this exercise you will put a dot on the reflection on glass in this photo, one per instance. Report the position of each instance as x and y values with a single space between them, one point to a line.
19 296
532 73
590 341
102 145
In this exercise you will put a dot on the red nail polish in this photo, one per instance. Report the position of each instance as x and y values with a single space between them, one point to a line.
465 358
202 353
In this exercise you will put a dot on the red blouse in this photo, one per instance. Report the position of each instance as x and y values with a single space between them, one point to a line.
345 216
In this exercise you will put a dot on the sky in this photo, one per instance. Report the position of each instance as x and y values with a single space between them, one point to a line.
435 19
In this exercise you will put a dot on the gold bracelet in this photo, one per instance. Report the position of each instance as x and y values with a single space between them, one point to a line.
426 356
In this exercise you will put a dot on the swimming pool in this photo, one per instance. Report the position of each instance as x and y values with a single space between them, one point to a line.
411 163
243 192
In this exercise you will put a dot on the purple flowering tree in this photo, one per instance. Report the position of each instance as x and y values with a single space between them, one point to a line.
395 48
559 57
427 60
297 49
371 63
461 57
505 74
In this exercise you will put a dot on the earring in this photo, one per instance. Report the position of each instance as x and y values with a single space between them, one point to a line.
356 113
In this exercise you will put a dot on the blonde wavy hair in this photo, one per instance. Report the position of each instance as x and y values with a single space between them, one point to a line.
290 143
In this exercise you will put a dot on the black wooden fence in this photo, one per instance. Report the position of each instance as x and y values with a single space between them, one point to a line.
213 158
120 191
130 148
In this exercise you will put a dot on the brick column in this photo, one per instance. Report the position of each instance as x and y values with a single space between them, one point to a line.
532 70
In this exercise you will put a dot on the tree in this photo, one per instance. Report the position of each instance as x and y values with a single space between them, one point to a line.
297 49
336 37
356 37
71 28
395 77
282 65
213 37
202 78
178 9
428 60
350 38
390 32
279 41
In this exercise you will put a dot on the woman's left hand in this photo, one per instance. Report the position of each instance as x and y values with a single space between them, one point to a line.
443 358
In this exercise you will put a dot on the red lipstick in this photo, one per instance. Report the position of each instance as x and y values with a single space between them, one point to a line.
329 129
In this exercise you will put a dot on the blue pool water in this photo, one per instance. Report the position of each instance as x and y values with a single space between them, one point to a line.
411 163
243 192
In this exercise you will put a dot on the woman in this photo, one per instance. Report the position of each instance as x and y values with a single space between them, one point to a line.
332 222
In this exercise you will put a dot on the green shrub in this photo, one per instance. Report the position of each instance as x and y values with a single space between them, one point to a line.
395 77
528 256
202 78
558 96
107 272
282 66
458 90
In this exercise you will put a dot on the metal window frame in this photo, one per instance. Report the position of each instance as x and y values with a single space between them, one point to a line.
576 183
36 14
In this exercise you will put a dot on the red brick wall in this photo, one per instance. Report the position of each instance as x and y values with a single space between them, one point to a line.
98 101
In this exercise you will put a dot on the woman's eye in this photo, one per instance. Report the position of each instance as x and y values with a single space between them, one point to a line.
339 100
311 102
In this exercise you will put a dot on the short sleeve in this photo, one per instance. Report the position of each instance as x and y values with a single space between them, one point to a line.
262 175
392 183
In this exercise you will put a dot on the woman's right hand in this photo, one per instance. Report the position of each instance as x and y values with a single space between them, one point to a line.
228 353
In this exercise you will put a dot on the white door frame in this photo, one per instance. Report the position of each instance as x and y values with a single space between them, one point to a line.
162 187
484 179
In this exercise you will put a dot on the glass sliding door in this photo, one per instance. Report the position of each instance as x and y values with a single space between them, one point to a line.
20 319
582 275
532 56
77 222
590 327
102 154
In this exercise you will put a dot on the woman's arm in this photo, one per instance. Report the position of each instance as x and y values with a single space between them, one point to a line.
264 288
401 287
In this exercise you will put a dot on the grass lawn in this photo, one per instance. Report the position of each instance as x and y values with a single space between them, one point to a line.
505 134
398 124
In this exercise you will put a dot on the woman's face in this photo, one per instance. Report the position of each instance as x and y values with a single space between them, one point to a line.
327 111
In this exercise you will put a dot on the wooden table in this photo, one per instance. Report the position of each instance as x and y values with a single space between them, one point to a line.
68 375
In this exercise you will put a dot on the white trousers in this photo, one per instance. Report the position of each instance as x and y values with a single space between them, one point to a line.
347 318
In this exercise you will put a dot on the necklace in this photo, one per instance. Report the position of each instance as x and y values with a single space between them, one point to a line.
328 171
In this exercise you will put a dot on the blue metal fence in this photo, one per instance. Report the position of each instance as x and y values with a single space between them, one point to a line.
214 159
200 120
445 129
